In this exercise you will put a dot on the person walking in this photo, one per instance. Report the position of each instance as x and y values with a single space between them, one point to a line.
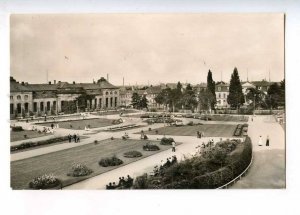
268 141
260 141
173 146
70 138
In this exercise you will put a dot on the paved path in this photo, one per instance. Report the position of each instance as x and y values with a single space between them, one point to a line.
268 167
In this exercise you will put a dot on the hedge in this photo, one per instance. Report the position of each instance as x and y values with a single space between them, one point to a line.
30 144
226 174
150 147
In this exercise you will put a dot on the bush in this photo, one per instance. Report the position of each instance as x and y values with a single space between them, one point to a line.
78 170
150 147
112 161
141 182
117 121
38 143
133 154
17 128
45 181
190 123
166 141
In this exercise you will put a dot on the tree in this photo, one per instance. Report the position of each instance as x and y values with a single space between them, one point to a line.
275 96
164 97
236 96
135 100
143 102
211 99
256 96
205 98
189 98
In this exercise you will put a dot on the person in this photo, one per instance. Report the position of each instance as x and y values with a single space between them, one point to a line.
173 146
268 141
142 134
78 138
168 163
174 159
260 141
198 134
52 125
75 138
70 138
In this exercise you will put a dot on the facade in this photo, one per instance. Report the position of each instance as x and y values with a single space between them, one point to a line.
125 96
50 99
222 92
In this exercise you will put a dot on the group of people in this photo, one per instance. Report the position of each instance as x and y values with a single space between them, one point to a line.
123 183
267 141
126 136
164 164
201 149
75 137
200 134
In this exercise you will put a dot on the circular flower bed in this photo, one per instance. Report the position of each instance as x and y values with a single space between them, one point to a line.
112 161
133 154
150 147
78 170
45 181
166 141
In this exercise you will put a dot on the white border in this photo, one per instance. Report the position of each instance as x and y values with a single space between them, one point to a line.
150 202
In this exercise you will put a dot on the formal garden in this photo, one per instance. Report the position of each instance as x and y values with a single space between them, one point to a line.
79 163
83 123
210 168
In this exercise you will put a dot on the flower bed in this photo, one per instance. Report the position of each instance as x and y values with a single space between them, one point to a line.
132 154
27 145
150 147
112 161
166 141
79 169
45 181
17 128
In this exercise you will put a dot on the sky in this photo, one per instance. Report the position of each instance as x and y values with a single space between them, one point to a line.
146 48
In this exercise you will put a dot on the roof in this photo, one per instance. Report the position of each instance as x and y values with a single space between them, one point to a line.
41 87
154 90
44 94
17 87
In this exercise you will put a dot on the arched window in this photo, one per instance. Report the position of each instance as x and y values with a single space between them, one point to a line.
106 93
19 97
26 97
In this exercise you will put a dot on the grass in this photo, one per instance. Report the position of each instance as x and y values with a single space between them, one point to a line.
81 124
210 130
231 118
103 113
60 162
19 135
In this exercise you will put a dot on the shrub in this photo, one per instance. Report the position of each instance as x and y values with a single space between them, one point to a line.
112 161
190 123
150 147
166 141
17 128
133 154
79 169
45 181
141 182
38 143
117 121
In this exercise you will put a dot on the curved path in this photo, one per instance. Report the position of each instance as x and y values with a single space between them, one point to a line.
268 168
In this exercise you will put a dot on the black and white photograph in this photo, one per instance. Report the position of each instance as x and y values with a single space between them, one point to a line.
147 101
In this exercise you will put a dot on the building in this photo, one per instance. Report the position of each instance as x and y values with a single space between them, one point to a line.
53 98
222 92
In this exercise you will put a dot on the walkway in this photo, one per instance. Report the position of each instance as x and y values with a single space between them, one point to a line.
268 167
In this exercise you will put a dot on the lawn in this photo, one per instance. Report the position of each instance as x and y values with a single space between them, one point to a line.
59 163
103 113
81 124
19 135
210 130
231 118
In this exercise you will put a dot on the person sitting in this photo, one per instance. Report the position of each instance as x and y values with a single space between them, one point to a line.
168 163
114 186
109 186
174 159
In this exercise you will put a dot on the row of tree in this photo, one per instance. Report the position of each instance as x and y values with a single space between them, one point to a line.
189 99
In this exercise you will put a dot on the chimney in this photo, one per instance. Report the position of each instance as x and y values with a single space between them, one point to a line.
59 82
49 82
73 82
23 83
107 77
54 81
